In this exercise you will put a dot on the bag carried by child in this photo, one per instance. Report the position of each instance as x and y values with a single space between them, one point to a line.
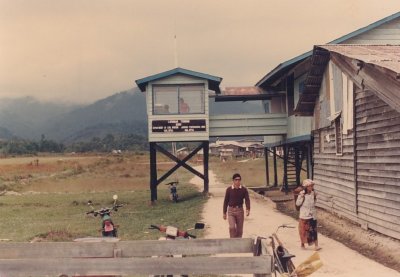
296 193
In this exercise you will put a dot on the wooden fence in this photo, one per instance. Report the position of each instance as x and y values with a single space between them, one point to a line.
127 258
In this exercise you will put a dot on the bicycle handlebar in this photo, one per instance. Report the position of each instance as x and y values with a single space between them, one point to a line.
154 227
284 226
172 183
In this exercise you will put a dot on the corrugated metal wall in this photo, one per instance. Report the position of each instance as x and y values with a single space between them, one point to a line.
378 164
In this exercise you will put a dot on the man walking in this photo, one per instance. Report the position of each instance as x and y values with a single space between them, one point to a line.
233 206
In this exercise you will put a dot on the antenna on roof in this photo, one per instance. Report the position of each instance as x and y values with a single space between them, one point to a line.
175 47
176 51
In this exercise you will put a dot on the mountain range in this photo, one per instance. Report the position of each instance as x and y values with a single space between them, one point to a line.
120 113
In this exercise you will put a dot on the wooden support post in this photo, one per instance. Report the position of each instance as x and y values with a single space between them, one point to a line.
285 162
179 163
153 171
275 169
266 153
154 181
355 165
297 163
309 159
206 148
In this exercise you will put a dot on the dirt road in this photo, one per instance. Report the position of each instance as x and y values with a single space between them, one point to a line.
338 260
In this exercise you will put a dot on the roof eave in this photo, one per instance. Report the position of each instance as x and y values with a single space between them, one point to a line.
213 81
244 98
284 67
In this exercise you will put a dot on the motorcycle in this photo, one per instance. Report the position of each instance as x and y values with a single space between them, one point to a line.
108 228
172 232
173 191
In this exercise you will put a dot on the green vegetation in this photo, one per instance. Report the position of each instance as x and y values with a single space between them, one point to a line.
50 197
252 171
61 217
110 142
125 142
19 146
53 203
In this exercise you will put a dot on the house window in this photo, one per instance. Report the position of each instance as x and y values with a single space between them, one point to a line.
178 99
193 97
338 136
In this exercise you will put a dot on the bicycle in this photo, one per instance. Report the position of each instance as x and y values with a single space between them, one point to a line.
282 259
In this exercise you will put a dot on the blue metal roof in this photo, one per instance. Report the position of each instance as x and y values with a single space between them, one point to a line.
213 81
284 67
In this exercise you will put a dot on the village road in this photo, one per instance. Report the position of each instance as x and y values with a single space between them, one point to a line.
338 260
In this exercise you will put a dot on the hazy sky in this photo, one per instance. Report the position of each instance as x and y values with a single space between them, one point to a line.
84 50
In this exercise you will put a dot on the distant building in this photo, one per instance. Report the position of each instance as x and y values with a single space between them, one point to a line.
235 149
182 152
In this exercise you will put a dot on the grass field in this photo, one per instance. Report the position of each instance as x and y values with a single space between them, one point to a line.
49 200
251 170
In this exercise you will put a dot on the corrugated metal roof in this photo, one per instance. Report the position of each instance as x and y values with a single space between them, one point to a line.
386 56
237 143
244 94
287 65
242 91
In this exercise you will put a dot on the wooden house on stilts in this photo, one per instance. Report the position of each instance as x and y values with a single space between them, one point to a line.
356 130
343 102
334 111
177 109
286 84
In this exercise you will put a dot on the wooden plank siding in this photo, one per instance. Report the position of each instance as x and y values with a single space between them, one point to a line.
248 125
363 182
334 174
322 109
388 33
378 163
375 201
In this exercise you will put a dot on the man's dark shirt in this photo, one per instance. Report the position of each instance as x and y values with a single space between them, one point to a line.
234 197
